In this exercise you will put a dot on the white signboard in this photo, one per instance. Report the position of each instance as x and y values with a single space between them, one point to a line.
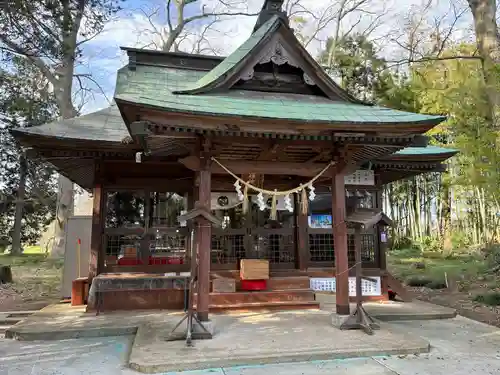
360 177
368 288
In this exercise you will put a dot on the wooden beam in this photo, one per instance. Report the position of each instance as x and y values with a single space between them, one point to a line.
154 183
271 152
258 167
319 156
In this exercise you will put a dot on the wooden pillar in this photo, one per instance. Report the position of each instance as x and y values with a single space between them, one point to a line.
189 205
97 250
340 243
301 235
381 247
358 267
144 248
204 235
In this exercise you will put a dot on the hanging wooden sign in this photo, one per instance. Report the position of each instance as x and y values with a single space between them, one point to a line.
360 177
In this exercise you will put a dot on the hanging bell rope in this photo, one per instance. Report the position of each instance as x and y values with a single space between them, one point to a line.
275 192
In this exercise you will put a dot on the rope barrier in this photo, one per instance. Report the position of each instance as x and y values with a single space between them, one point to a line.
275 192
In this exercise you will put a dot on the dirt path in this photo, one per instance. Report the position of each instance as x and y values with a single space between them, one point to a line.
462 302
12 300
37 283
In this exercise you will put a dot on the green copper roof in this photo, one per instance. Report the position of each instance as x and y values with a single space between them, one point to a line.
426 151
236 58
105 125
154 86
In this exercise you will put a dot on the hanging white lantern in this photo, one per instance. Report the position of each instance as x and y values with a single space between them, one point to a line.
359 194
348 194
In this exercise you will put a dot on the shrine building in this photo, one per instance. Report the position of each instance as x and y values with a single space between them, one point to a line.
265 142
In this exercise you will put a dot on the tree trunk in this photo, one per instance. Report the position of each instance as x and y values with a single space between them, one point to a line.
446 218
18 219
5 275
488 44
64 210
416 207
65 193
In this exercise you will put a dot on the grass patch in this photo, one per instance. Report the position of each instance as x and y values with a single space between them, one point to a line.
36 278
491 298
402 264
426 281
33 250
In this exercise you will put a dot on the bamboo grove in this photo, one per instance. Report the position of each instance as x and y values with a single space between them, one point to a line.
442 211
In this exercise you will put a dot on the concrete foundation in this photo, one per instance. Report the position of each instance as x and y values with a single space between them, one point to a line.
337 320
458 346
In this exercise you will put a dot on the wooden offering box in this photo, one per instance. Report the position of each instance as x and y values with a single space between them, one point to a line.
254 269
223 285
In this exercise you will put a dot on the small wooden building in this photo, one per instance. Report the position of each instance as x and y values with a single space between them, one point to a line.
269 114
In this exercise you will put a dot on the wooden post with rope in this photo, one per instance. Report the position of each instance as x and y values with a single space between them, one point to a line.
360 219
199 215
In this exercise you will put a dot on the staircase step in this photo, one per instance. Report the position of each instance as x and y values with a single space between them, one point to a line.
4 328
288 282
289 295
255 306
10 321
21 313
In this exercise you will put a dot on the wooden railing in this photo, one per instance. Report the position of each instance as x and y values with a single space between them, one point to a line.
161 249
158 249
229 246
322 247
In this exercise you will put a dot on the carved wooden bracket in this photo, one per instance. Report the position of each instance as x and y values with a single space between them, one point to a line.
277 54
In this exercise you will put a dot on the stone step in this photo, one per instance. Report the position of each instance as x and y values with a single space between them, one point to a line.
290 295
16 314
273 306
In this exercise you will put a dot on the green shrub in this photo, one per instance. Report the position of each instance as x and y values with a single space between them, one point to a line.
491 298
402 243
492 255
429 243
460 240
437 284
426 281
408 252
419 281
432 255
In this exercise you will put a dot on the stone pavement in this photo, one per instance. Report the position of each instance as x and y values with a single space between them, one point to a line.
260 338
459 346
62 321
289 336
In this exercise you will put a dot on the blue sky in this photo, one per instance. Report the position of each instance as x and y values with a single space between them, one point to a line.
102 56
131 27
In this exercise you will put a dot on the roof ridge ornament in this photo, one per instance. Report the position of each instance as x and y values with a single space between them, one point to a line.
277 53
269 9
